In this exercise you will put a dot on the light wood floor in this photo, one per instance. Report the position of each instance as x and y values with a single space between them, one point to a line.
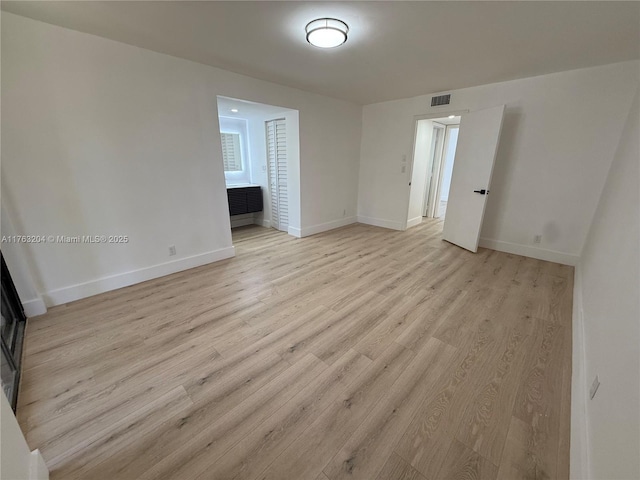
361 353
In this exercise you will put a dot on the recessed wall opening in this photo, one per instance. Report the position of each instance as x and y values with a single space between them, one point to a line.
259 155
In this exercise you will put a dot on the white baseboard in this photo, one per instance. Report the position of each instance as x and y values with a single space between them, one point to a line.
380 222
414 221
37 468
529 251
35 307
242 220
323 227
579 457
264 223
249 219
105 284
296 232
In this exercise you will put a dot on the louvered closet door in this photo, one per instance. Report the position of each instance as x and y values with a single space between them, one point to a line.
278 181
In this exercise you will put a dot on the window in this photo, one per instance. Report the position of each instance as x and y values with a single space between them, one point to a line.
231 152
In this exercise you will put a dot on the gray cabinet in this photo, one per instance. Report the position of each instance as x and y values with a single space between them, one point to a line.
244 200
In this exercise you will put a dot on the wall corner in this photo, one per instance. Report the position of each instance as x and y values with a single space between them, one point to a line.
37 468
579 450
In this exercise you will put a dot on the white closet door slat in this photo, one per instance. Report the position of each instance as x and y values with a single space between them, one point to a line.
277 164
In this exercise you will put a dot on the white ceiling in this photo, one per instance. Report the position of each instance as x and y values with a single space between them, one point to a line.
395 49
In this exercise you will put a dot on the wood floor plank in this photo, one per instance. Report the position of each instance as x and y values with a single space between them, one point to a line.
198 434
296 331
121 436
47 382
92 434
161 371
539 402
555 304
396 321
365 453
427 439
359 352
226 384
65 430
484 424
268 440
520 460
313 449
347 334
397 468
439 306
462 463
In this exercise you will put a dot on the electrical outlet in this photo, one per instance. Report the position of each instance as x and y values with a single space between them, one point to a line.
537 238
344 212
594 387
172 250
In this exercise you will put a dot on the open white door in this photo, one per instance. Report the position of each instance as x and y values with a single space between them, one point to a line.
475 155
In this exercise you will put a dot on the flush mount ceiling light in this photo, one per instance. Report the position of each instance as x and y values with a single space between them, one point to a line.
234 110
326 32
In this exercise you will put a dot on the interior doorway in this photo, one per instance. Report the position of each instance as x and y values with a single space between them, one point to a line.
260 156
435 141
476 142
442 158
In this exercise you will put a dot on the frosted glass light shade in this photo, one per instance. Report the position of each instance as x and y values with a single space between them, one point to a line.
326 32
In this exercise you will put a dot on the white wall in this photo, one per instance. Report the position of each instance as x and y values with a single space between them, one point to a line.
559 134
608 306
99 137
421 164
17 462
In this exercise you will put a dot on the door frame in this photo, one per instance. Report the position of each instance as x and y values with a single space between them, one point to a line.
414 127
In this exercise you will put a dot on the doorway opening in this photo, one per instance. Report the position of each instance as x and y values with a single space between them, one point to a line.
474 154
440 166
260 155
433 159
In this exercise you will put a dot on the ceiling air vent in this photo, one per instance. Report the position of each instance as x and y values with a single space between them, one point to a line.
440 100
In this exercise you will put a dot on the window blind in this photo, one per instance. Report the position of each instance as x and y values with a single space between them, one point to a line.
231 152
